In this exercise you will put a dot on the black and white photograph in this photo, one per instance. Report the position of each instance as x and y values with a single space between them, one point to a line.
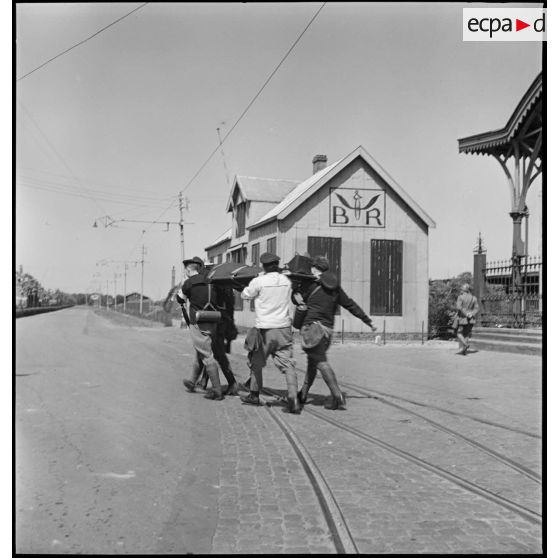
279 278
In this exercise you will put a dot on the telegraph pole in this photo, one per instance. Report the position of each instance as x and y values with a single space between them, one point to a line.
107 295
125 271
181 225
115 291
142 263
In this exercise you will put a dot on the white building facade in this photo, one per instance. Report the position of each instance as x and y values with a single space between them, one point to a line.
351 211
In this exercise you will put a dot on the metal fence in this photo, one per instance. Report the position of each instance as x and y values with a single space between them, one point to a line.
506 305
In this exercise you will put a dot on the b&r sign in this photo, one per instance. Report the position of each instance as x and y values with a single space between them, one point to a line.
357 208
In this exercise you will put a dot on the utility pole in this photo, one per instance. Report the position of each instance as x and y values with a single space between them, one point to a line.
181 225
115 291
142 263
107 295
125 271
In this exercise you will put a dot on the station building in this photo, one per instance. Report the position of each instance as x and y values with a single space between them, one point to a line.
373 233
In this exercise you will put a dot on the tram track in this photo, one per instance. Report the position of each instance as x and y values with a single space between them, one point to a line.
523 511
373 394
336 522
342 537
529 473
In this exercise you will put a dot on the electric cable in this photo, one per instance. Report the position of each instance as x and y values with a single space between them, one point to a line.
82 42
254 98
60 158
219 146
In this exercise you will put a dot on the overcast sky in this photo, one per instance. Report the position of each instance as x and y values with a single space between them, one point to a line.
120 124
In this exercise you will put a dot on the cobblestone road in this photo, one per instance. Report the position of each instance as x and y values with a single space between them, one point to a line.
114 456
391 505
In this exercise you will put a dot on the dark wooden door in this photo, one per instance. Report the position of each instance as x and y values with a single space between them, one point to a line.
386 277
327 246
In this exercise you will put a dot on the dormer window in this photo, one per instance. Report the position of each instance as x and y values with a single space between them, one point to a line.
240 218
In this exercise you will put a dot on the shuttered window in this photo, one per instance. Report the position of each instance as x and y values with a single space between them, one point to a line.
240 219
272 244
256 254
330 247
327 246
386 277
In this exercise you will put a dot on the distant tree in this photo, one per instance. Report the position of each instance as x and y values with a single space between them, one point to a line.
443 295
79 298
31 288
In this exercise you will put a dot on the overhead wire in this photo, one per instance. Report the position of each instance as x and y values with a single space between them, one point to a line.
219 146
86 193
82 42
254 98
244 112
63 179
55 190
70 189
60 158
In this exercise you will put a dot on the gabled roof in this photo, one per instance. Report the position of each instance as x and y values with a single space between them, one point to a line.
227 235
311 185
251 188
484 142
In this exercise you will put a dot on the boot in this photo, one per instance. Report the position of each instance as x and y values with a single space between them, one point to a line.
292 389
202 382
190 386
329 378
197 369
338 403
311 372
229 376
213 373
293 405
211 394
302 395
232 389
252 399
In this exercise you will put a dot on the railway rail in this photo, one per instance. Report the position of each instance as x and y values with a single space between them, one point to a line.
340 528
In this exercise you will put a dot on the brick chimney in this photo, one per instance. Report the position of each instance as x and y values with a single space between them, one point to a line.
319 162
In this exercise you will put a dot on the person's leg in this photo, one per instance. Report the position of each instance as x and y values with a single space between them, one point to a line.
281 347
196 371
467 330
256 362
311 371
202 339
221 357
203 378
314 356
213 373
461 340
338 399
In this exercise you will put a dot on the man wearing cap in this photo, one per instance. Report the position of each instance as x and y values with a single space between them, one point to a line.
321 299
467 307
197 290
271 292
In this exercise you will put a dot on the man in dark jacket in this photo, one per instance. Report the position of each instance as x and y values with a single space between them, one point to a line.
322 298
225 333
197 290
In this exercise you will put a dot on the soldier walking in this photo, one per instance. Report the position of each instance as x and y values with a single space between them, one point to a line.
321 299
272 335
197 290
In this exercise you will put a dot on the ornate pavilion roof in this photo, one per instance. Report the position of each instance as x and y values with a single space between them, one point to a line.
524 124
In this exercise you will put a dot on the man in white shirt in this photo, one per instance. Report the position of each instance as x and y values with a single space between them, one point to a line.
273 335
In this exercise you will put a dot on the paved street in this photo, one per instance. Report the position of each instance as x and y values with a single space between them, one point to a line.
437 453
